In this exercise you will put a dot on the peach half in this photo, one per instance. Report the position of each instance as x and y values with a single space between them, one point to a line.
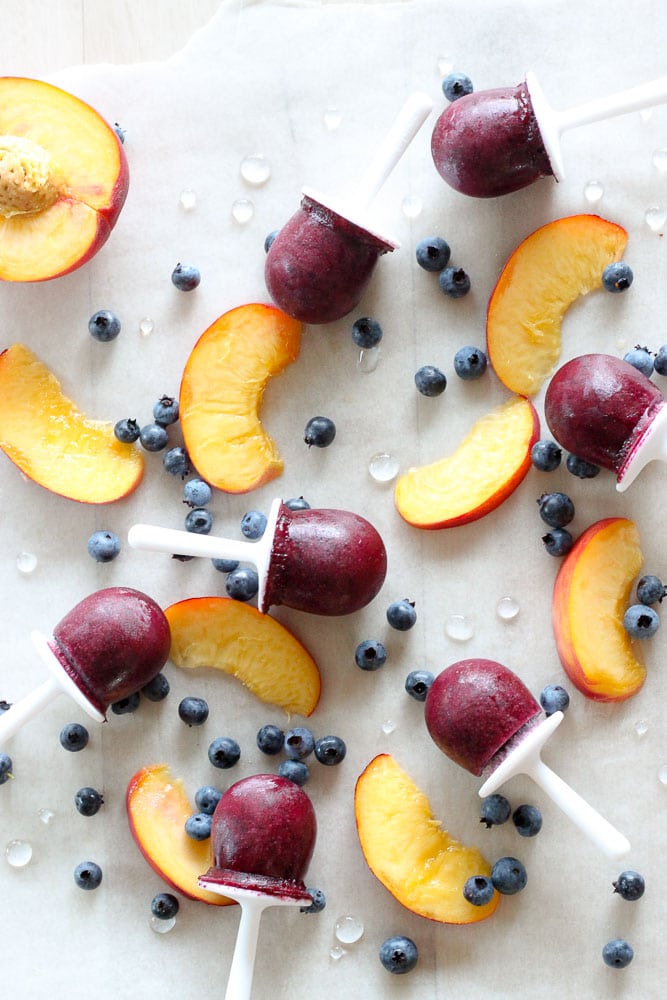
591 594
51 441
221 394
157 807
239 640
545 274
63 180
406 848
484 470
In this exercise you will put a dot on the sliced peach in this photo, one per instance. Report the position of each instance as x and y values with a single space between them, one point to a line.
405 847
483 471
53 443
63 180
544 275
157 808
239 640
221 394
591 594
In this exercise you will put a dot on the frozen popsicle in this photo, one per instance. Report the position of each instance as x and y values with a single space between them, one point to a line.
493 142
323 561
605 411
262 839
322 259
108 646
482 716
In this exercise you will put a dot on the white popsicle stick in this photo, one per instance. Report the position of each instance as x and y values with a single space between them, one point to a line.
651 448
525 759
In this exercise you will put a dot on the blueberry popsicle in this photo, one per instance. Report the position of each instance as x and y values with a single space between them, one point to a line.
108 646
484 718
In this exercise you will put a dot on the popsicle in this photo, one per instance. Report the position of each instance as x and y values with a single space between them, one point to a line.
262 839
483 717
493 142
604 410
108 646
323 258
323 561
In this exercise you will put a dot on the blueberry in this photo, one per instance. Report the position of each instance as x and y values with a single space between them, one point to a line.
470 363
193 711
640 621
617 953
454 282
88 875
617 277
430 381
299 743
74 737
545 455
660 361
509 876
319 901
198 826
641 359
6 765
127 705
127 430
554 698
330 750
398 954
580 468
207 798
556 509
224 752
120 131
558 541
297 503
269 238
225 565
320 432
294 770
153 437
242 584
456 85
478 890
527 820
185 277
103 546
630 885
418 683
270 739
88 801
164 906
433 253
197 493
401 615
166 411
370 655
157 689
494 810
366 332
650 589
176 461
104 325
199 521
253 524
4 706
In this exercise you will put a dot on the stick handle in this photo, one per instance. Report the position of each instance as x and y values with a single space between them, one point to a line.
646 95
239 983
31 704
188 543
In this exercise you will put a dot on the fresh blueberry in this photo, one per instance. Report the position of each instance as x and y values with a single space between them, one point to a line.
199 520
456 85
157 689
330 750
127 705
299 743
185 277
545 455
224 752
253 524
74 737
165 906
366 333
556 509
198 826
104 325
398 954
127 430
197 493
558 541
641 359
320 432
270 739
4 706
297 503
88 801
660 361
269 238
650 589
478 890
294 770
418 683
630 885
88 875
319 901
103 546
509 876
617 953
176 461
527 820
6 765
580 468
433 253
401 615
430 381
242 584
617 277
494 810
120 131
554 698
454 282
370 654
207 798
470 363
640 621
193 711
165 411
153 437
225 565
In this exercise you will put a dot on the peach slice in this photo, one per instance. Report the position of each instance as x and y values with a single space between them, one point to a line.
591 594
542 277
221 393
253 647
157 808
405 847
53 443
483 471
63 180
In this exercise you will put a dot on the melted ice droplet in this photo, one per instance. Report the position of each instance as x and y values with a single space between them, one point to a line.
383 467
26 562
412 206
659 160
188 199
641 727
445 65
332 118
337 952
162 926
388 727
593 191
255 169
507 609
459 627
242 211
662 775
18 853
348 930
655 218
368 359
46 815
146 326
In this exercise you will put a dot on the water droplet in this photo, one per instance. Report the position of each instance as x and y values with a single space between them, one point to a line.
383 467
445 65
255 169
348 930
146 326
337 952
368 359
662 775
162 926
641 727
655 218
332 118
459 627
242 211
593 191
507 609
659 160
18 853
26 562
46 815
388 727
412 206
188 199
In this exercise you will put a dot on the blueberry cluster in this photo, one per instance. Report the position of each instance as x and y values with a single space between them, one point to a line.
557 511
433 254
641 620
296 745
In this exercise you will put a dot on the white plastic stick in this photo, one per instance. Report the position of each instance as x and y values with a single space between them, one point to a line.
645 95
189 543
651 448
27 707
